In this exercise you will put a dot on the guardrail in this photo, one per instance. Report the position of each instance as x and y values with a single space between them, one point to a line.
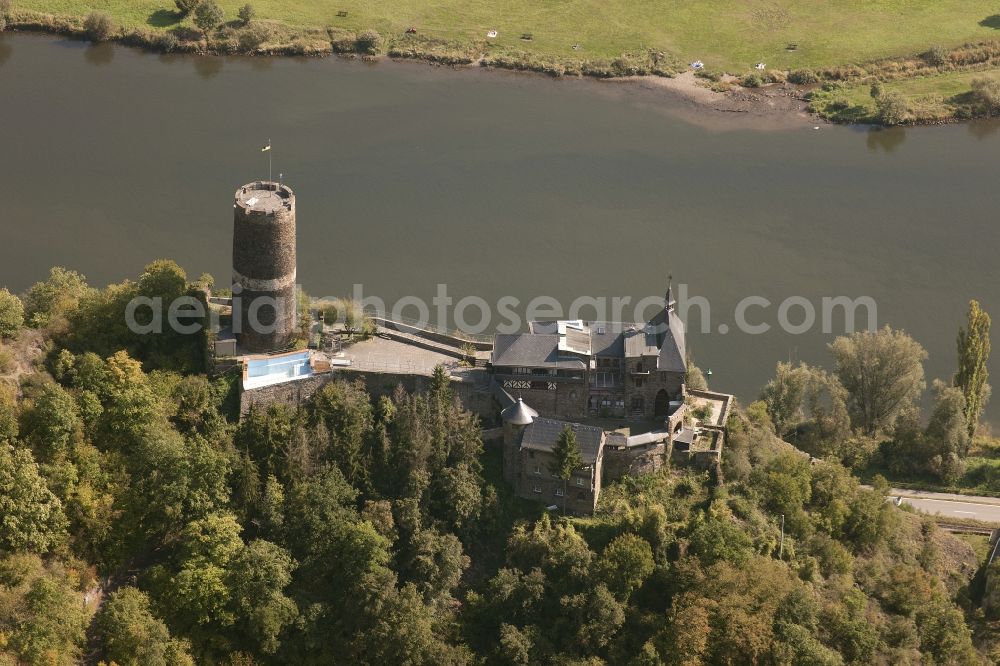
457 335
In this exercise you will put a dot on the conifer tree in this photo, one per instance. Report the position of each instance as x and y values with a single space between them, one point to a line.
567 458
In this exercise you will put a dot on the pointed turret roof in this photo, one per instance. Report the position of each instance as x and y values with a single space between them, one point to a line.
519 413
669 332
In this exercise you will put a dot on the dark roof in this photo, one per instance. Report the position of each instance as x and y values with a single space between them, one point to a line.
543 434
519 413
530 350
662 336
669 331
607 338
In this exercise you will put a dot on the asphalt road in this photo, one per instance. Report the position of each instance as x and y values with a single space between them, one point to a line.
948 505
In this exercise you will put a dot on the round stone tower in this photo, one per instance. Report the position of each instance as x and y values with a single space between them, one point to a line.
264 308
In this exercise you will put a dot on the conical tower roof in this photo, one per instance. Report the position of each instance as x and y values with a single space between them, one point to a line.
519 413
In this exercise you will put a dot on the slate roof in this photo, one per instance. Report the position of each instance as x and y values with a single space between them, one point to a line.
669 331
662 337
543 434
519 413
530 350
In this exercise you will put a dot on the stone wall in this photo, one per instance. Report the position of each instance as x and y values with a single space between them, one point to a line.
634 461
475 399
568 401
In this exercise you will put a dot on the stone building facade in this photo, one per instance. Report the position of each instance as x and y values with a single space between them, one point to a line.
264 268
577 369
528 460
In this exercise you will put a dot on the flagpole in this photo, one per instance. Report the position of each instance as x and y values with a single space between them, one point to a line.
268 160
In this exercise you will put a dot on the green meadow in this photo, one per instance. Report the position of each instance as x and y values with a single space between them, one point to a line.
730 35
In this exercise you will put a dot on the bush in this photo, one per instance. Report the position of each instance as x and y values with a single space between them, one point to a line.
369 42
186 6
986 93
935 57
8 363
752 80
208 16
11 314
99 26
252 37
165 42
246 14
838 104
802 77
4 13
891 109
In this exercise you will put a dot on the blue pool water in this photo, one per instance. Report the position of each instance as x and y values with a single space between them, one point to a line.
276 369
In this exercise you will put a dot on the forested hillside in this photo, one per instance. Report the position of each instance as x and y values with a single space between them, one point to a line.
142 523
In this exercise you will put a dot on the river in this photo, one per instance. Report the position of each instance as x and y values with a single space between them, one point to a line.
496 184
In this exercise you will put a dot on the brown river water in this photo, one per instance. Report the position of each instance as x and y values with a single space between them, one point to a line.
497 184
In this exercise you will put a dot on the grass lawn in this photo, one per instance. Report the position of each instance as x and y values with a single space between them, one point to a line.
725 34
980 545
927 96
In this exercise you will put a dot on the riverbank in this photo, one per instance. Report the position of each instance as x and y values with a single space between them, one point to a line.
938 85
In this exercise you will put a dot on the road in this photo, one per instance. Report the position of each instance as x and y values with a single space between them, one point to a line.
949 505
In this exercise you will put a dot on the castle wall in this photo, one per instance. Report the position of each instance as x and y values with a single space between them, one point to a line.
377 384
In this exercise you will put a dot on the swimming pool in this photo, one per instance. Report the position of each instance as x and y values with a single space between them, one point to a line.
276 369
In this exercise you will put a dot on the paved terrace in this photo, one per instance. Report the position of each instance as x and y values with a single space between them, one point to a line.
381 355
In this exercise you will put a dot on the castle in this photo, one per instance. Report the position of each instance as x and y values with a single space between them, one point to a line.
620 387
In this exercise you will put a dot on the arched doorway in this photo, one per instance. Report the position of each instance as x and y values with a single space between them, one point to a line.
662 405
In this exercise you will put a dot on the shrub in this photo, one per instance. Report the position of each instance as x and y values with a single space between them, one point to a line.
4 13
752 80
344 44
252 37
164 41
369 41
99 26
891 109
802 77
935 57
838 104
7 361
186 6
986 93
11 314
246 14
208 16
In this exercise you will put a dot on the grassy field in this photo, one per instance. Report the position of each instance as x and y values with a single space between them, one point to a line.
725 34
928 97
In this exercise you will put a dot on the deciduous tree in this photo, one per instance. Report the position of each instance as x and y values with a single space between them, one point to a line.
973 354
11 314
883 374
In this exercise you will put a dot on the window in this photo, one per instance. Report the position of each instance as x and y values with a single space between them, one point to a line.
579 480
638 382
538 469
559 492
537 489
521 371
600 330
